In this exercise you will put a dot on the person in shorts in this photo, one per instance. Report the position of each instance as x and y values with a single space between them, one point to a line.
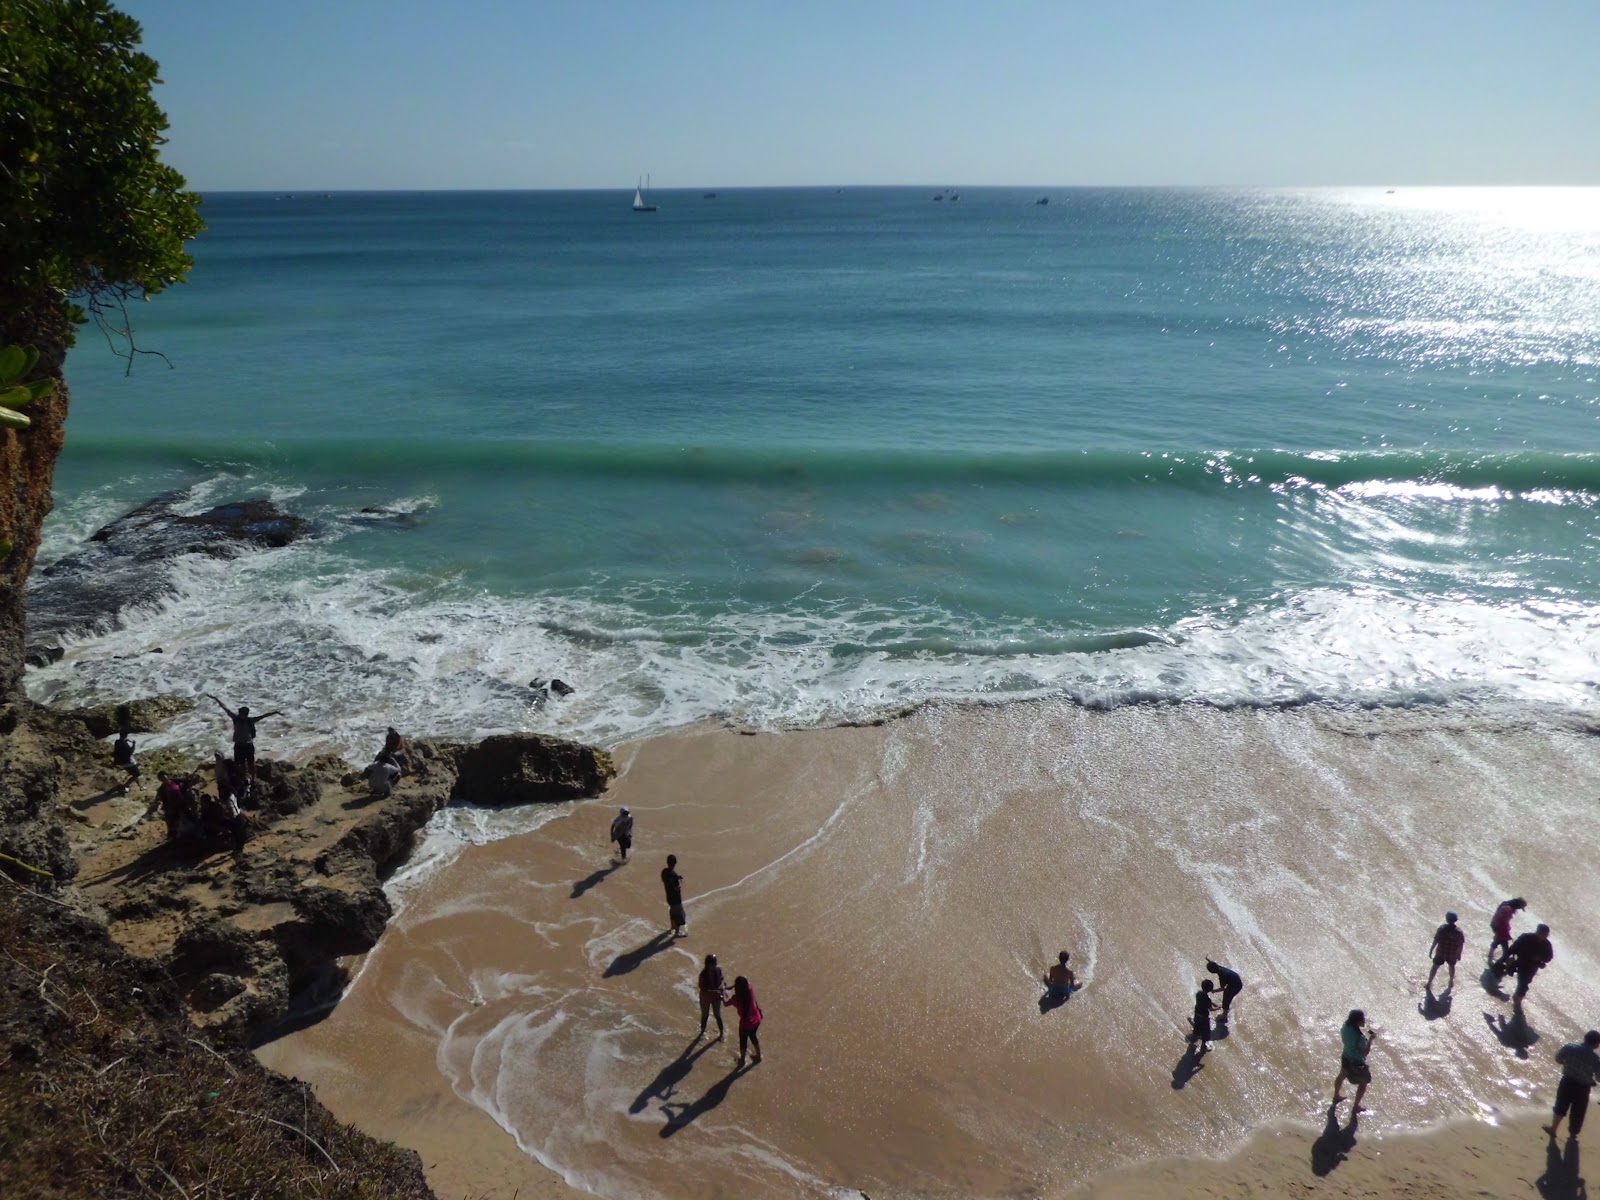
1230 983
244 735
1448 943
1355 1040
1059 980
1580 1061
1203 1004
673 883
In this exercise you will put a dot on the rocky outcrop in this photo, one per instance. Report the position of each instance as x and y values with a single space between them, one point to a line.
250 939
117 568
139 716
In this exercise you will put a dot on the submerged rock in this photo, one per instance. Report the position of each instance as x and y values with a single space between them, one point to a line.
117 568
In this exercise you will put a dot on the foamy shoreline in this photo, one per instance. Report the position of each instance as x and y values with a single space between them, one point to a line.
930 852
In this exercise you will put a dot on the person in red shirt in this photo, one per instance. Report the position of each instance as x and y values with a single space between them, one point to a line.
744 1002
1500 924
1448 943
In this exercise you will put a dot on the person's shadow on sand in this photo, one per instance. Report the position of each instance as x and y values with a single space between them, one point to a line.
1190 1065
631 960
1491 984
1219 1030
666 1083
1514 1034
589 881
1435 1006
1334 1145
1561 1180
680 1115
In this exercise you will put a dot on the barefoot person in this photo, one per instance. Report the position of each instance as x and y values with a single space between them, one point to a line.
1579 1063
713 992
1203 1004
1500 924
1059 980
244 734
1355 1042
673 883
1230 983
1448 943
744 1003
622 831
122 756
1528 955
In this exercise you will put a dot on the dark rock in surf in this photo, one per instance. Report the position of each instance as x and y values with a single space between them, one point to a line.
520 768
119 567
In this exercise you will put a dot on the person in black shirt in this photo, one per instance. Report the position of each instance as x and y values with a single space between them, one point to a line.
673 882
1529 953
1203 1004
244 734
1228 979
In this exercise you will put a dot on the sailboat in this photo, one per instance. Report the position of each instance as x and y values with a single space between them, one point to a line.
640 204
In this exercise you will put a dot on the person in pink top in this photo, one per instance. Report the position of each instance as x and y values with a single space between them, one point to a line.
1500 924
744 1002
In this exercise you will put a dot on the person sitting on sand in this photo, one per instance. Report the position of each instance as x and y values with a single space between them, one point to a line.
1354 1044
1500 924
1059 980
1231 984
1448 943
382 774
395 747
1203 1004
1580 1061
744 1003
244 734
122 756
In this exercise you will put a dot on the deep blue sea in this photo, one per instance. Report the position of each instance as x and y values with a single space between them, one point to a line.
789 457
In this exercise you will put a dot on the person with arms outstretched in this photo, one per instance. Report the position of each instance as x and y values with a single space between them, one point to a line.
244 734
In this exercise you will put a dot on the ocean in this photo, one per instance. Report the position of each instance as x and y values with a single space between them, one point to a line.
1272 515
795 457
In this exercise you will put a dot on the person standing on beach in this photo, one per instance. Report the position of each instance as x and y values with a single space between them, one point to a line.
1230 983
744 1003
244 734
1354 1044
1500 924
673 883
1529 954
1580 1061
1203 1004
1448 943
622 833
713 993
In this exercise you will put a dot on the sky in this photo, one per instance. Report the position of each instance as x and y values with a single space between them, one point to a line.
346 94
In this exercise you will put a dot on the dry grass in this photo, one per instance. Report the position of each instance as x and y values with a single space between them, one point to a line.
106 1090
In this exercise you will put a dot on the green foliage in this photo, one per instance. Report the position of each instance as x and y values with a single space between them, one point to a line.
15 363
87 208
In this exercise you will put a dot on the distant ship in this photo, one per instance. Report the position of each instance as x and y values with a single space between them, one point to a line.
708 196
1042 200
640 204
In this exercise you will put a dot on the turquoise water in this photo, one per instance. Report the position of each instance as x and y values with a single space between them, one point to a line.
798 456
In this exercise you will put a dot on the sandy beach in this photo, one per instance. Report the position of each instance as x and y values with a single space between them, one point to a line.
894 892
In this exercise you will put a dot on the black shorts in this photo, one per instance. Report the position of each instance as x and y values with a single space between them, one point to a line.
625 842
1356 1072
1572 1096
676 915
244 752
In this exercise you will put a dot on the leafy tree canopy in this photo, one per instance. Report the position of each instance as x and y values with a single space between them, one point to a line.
87 208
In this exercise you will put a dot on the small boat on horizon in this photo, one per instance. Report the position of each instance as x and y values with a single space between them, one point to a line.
1042 200
640 204
708 196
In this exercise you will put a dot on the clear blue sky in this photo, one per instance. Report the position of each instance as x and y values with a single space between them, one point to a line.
334 94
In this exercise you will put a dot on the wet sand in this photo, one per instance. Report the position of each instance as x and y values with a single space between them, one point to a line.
894 892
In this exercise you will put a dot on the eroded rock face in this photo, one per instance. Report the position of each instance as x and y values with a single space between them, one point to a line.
141 716
119 567
521 768
246 936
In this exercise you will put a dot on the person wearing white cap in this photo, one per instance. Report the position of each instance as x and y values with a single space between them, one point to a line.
622 831
1448 943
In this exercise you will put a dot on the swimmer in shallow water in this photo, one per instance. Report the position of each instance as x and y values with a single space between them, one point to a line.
1059 980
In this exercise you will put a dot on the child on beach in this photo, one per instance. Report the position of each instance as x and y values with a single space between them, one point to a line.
1500 924
713 993
1448 943
1059 980
1354 1044
1203 1004
744 1003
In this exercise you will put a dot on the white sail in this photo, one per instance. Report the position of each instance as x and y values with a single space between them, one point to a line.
638 198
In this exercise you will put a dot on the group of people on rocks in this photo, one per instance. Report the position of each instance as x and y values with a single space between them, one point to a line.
712 986
195 815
